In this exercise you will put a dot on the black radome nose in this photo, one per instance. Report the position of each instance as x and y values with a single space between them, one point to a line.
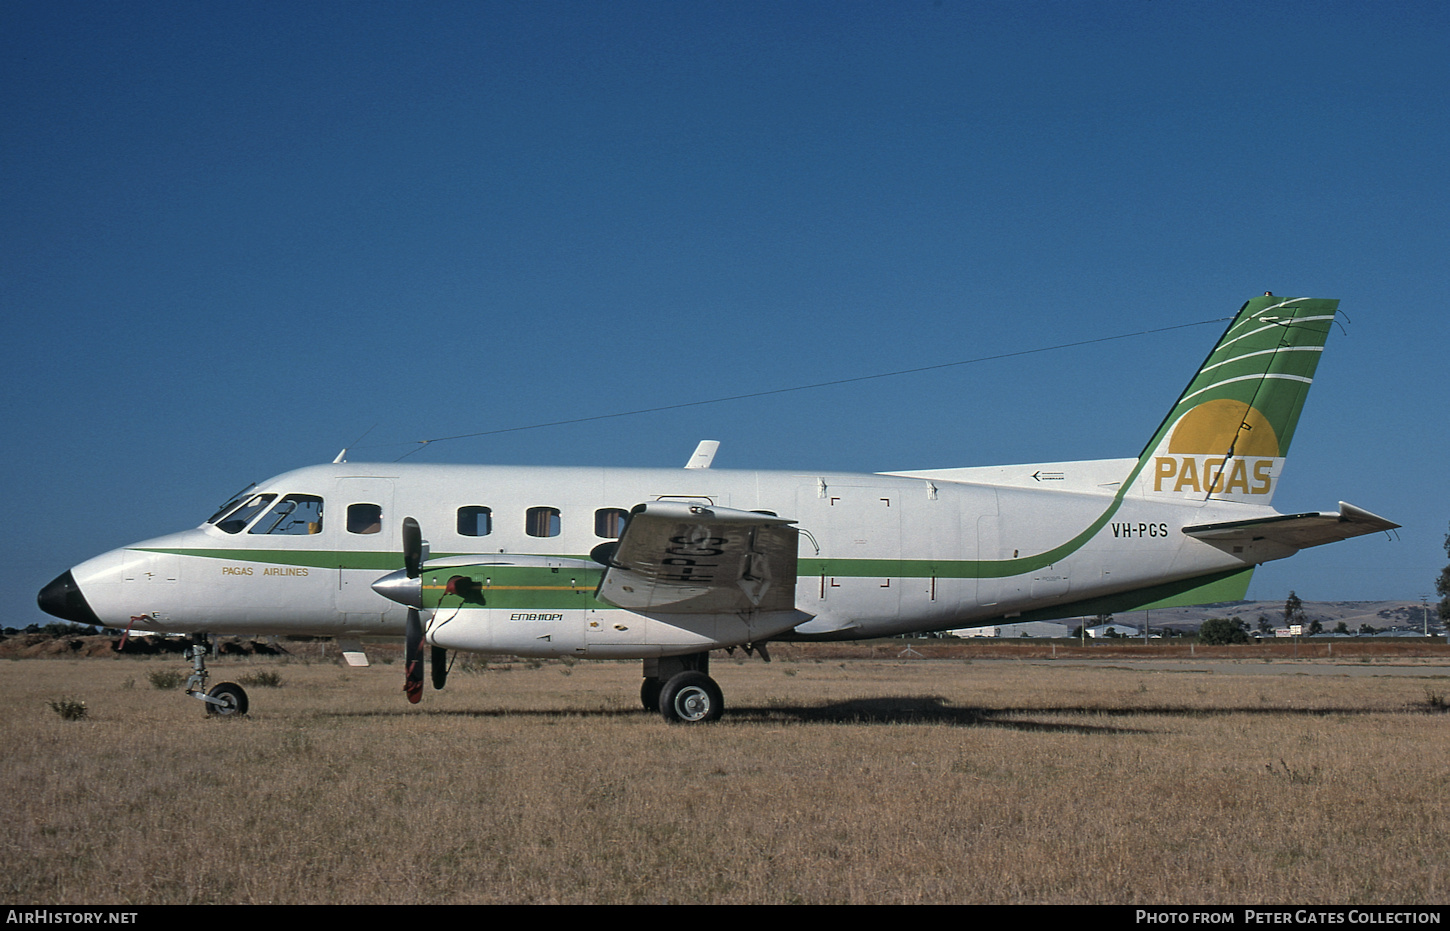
63 599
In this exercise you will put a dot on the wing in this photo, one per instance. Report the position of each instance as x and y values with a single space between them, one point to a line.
692 559
1294 530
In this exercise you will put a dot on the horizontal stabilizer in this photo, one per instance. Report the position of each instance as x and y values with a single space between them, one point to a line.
1294 530
693 559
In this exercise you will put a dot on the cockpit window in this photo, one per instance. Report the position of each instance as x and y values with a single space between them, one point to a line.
232 502
241 516
294 515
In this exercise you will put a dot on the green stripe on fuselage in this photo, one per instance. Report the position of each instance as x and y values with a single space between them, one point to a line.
840 568
514 587
316 559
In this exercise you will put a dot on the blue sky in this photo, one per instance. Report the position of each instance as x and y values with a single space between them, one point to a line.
238 237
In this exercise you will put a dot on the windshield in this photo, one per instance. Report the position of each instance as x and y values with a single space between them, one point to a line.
231 503
294 514
242 514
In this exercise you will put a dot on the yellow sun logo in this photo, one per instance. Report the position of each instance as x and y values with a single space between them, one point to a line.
1215 427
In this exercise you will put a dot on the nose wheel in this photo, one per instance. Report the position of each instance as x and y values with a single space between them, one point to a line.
226 699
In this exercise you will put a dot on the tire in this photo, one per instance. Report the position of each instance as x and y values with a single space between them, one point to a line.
649 694
233 700
691 698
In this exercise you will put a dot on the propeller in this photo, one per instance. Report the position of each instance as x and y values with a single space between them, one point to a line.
405 586
413 634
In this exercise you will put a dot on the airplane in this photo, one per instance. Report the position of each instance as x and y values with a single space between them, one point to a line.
667 565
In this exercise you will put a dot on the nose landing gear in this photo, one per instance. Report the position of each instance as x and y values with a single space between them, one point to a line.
225 698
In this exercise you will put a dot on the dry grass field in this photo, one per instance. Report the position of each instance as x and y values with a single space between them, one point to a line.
857 781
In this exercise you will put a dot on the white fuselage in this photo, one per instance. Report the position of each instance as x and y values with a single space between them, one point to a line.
879 554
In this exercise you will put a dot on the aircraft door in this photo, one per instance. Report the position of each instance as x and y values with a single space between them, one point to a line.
858 530
367 546
995 582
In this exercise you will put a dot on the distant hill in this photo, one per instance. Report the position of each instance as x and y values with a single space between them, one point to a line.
1381 615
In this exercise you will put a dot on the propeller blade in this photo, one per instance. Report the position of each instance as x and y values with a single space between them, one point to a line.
413 657
439 662
412 548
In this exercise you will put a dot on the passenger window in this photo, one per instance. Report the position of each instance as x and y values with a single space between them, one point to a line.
542 522
294 515
609 522
475 521
243 515
364 518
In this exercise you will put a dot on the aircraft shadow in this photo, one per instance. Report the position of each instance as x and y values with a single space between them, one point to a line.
915 710
929 709
935 710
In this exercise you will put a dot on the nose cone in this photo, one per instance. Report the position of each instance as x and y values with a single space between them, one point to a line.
63 599
400 588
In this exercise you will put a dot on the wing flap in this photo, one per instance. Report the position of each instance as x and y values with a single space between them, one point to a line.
1299 531
692 559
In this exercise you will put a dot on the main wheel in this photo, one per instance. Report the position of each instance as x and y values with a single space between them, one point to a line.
691 698
649 694
233 700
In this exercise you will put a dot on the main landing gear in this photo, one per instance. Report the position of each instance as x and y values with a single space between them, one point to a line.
225 698
681 690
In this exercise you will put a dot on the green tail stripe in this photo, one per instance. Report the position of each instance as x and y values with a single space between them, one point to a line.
1266 358
1230 585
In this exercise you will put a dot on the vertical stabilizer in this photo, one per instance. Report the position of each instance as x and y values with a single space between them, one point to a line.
1227 436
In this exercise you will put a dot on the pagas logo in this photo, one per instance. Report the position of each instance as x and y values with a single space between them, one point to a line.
1222 447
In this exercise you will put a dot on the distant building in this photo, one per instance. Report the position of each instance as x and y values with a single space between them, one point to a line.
1119 630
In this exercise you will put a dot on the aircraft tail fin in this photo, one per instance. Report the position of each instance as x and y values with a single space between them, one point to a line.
1227 436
